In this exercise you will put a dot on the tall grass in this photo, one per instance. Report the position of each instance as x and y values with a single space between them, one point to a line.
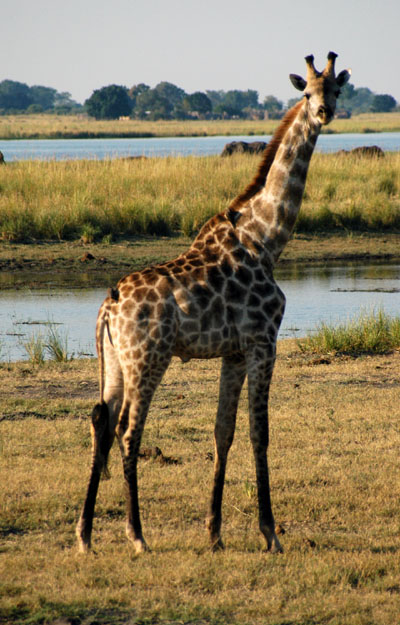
348 193
57 345
162 196
35 348
53 343
372 332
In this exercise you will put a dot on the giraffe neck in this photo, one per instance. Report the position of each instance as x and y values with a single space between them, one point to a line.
268 218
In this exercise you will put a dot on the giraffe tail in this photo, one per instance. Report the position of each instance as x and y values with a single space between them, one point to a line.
100 414
101 328
101 438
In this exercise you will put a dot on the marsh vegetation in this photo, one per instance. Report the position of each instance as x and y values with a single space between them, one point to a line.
104 200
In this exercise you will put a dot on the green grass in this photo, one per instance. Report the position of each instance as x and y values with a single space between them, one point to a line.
90 200
369 333
53 343
57 345
35 347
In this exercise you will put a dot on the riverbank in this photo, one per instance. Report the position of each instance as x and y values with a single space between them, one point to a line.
80 127
47 262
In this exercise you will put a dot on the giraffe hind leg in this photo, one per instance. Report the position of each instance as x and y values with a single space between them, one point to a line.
137 399
102 440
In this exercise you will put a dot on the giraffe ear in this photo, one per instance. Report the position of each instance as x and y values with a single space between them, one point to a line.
298 82
343 77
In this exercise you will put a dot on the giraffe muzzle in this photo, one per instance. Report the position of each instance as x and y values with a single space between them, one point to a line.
325 114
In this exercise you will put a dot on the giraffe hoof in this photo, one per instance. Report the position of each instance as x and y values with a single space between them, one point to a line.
83 539
140 546
275 546
83 547
217 545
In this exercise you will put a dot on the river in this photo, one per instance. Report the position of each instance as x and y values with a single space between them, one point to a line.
314 294
54 149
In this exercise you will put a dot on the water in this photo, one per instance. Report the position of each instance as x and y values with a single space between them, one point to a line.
314 294
45 149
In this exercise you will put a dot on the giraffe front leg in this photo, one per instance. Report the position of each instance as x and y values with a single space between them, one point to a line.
233 373
133 523
130 444
260 373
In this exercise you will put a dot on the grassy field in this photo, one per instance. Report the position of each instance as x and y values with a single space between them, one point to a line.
78 126
105 200
335 487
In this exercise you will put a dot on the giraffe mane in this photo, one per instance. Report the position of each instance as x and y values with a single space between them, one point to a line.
268 158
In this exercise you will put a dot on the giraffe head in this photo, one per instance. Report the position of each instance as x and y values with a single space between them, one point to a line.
321 89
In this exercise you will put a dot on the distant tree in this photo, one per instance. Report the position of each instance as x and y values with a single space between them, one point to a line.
215 97
135 91
360 101
251 96
198 103
14 96
64 104
43 97
292 102
171 92
273 106
383 103
152 105
234 102
109 102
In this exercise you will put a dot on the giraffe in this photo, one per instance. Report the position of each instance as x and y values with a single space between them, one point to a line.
218 299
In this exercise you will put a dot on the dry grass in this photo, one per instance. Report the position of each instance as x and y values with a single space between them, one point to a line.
79 126
93 200
336 491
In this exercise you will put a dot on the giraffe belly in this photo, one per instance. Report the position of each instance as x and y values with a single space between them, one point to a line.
194 342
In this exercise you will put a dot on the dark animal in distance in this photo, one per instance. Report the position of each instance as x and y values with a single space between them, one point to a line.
241 147
365 150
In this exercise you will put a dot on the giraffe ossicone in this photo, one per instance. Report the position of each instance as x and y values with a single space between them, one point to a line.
217 300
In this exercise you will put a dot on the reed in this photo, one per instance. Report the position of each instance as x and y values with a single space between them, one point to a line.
57 345
90 200
369 333
53 343
81 127
35 347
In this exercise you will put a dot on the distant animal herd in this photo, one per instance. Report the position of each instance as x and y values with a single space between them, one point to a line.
257 147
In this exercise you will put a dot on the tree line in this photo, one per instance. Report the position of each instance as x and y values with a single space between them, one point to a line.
167 101
16 97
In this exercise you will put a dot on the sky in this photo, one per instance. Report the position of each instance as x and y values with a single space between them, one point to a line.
82 45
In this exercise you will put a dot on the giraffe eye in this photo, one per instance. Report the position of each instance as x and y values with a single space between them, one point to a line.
307 95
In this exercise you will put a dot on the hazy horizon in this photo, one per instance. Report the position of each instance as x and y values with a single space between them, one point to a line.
215 45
